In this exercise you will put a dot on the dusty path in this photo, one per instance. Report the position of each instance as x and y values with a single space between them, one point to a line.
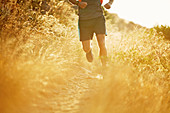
65 97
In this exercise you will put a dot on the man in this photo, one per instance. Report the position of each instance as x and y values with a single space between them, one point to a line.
91 20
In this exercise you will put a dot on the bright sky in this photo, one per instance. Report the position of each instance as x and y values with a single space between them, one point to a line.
144 12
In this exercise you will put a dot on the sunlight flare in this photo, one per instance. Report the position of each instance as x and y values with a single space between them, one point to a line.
145 12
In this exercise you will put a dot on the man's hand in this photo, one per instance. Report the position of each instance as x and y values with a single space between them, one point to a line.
107 6
82 5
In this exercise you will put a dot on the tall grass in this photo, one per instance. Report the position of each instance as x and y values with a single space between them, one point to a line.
34 58
43 68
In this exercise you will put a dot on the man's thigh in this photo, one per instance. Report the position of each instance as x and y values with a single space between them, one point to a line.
101 39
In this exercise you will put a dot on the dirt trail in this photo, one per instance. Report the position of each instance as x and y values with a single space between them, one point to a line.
67 97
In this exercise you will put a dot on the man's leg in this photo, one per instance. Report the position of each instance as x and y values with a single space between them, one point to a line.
102 46
87 49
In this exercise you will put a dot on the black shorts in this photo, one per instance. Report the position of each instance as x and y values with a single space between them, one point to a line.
88 27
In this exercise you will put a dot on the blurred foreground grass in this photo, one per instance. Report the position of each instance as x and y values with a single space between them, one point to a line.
43 68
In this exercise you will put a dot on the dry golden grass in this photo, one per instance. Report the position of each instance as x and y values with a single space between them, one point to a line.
43 70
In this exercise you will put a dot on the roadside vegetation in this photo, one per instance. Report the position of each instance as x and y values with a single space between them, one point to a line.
164 29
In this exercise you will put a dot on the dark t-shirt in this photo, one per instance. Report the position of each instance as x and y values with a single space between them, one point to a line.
93 10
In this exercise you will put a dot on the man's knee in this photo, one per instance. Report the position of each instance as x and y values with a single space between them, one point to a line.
86 48
102 45
103 49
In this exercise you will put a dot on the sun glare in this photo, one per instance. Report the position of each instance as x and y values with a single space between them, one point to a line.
144 12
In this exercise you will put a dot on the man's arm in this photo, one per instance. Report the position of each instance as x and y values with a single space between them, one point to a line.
74 2
111 1
108 5
80 4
